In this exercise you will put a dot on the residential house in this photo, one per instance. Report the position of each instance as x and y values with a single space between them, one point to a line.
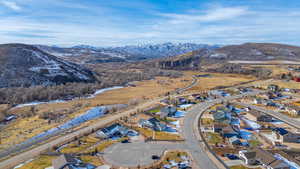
292 109
145 124
291 137
268 160
66 161
115 130
218 127
10 118
272 137
158 126
167 111
234 141
248 157
228 132
182 100
222 116
265 158
208 128
273 88
265 118
153 123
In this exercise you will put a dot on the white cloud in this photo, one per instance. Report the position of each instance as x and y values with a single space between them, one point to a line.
211 15
215 25
12 5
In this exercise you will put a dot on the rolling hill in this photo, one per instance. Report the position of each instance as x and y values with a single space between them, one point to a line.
247 52
26 65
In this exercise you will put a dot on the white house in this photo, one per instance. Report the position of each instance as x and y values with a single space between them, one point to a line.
248 157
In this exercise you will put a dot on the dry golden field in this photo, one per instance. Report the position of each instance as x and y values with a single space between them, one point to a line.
276 69
24 128
218 79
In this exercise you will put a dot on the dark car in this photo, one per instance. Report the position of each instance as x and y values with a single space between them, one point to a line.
232 157
125 141
155 157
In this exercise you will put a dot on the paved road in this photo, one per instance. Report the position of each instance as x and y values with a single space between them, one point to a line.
34 152
291 121
139 153
119 155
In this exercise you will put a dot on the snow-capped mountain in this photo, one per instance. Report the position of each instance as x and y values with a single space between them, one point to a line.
83 54
88 54
163 50
26 65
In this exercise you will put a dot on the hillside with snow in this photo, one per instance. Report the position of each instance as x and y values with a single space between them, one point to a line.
85 54
26 65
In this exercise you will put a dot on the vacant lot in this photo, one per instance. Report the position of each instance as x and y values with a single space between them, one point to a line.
218 80
283 84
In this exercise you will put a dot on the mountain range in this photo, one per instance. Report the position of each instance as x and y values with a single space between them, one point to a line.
29 65
83 54
247 51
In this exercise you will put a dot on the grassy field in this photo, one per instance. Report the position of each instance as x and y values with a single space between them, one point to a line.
85 143
91 160
241 167
276 69
218 79
24 128
173 155
158 135
40 163
284 84
214 138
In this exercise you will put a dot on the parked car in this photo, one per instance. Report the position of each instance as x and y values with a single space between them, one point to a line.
232 157
155 157
125 141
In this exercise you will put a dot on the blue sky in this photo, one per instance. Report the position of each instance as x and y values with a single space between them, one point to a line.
129 22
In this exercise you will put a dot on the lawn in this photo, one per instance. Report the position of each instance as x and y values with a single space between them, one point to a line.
214 138
173 155
94 160
254 143
207 121
39 163
154 110
158 135
85 143
105 144
241 167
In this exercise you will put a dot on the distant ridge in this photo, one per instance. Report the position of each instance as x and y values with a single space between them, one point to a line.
247 51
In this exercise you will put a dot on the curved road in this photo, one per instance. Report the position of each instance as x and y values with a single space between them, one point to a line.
291 121
119 155
36 151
